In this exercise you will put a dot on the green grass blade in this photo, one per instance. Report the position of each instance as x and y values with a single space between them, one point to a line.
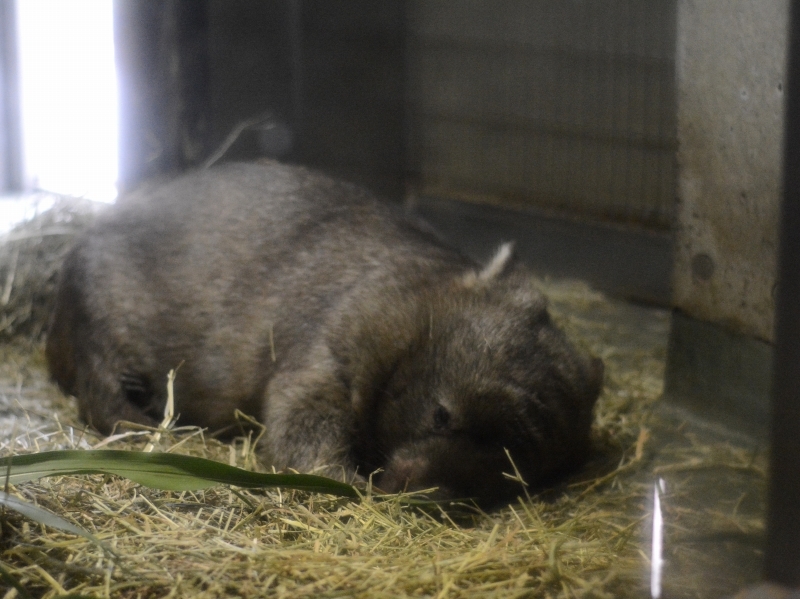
43 516
168 471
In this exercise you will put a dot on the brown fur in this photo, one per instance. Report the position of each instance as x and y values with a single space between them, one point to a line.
357 337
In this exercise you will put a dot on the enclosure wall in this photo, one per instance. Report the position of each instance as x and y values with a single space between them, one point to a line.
567 106
730 117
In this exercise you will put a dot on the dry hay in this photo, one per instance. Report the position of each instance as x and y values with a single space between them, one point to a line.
586 538
30 256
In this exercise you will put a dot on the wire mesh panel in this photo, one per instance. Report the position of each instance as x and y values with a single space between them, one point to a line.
559 104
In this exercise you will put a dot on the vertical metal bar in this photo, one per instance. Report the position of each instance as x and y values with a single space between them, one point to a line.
782 555
162 72
11 163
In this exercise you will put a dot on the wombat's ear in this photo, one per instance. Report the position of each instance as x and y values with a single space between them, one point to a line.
500 264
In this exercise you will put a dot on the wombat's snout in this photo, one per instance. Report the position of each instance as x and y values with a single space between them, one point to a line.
404 473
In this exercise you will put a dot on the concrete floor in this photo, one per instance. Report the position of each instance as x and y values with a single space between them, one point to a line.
714 477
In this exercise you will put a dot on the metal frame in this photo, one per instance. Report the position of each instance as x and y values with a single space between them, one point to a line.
11 161
782 555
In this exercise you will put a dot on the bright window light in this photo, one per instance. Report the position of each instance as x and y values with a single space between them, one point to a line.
69 96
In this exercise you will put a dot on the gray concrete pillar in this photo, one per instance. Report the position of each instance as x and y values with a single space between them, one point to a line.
730 87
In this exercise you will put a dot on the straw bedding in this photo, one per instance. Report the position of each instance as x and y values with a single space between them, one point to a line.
585 538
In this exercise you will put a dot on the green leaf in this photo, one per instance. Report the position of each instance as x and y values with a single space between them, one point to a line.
43 516
168 471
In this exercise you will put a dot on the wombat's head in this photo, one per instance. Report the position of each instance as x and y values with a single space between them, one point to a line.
488 386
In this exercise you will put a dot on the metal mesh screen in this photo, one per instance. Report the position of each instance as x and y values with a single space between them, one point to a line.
559 104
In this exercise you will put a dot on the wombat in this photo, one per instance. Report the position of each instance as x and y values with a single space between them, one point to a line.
358 338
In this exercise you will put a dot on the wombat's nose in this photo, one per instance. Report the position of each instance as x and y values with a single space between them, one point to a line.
403 474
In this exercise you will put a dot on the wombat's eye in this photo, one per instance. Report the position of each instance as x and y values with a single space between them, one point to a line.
441 418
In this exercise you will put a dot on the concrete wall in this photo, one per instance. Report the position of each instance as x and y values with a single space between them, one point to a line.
730 70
